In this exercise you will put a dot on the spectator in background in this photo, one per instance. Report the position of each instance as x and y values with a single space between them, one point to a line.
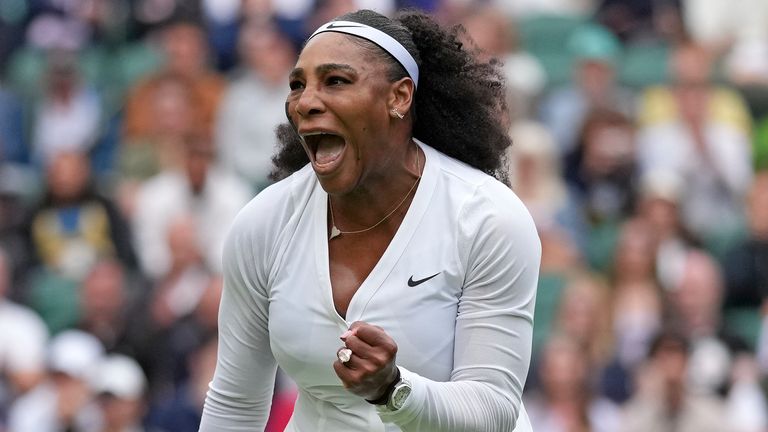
198 326
637 305
721 24
638 308
68 117
175 113
179 290
639 21
111 307
691 74
182 410
720 363
15 188
13 143
535 175
566 400
494 34
174 327
65 400
253 104
22 345
658 204
201 188
186 54
602 167
74 225
700 133
596 53
120 387
664 401
746 265
584 316
522 8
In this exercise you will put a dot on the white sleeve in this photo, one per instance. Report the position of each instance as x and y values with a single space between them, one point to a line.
731 156
240 396
501 251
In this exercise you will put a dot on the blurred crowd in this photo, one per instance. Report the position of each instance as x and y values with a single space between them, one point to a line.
132 132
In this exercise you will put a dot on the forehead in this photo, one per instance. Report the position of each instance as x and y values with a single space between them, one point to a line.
340 48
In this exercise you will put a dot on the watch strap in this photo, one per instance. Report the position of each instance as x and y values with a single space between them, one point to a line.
388 393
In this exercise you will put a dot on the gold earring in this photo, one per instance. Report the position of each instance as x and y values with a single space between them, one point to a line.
395 113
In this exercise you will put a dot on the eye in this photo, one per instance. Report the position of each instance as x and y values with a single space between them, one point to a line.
336 80
296 85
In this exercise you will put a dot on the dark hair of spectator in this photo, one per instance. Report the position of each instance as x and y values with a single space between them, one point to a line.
459 105
669 339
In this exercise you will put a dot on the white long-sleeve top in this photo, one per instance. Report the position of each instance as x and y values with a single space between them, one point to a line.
463 336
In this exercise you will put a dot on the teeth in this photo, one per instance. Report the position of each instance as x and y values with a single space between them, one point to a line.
308 134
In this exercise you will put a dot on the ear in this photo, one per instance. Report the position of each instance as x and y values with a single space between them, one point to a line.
401 95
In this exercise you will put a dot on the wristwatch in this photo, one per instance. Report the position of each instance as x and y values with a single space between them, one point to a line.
399 394
396 394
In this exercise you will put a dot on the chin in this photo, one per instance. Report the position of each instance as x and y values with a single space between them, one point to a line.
337 183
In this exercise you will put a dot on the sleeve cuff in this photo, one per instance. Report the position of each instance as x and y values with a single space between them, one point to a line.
412 406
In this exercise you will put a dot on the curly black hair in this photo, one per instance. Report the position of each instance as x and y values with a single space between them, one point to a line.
459 104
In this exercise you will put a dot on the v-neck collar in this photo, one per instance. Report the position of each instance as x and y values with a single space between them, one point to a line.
385 265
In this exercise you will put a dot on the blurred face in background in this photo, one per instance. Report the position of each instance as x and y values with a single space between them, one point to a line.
608 147
564 369
597 78
691 69
698 296
583 309
68 176
102 297
635 252
173 105
490 31
121 413
62 78
267 52
671 361
185 48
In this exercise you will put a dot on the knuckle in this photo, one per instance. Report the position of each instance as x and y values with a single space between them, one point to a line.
379 360
370 368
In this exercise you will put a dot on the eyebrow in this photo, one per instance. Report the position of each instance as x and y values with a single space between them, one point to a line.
324 69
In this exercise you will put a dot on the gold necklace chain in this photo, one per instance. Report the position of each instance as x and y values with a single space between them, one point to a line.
335 231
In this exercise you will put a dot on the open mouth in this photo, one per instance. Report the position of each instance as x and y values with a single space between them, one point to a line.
327 148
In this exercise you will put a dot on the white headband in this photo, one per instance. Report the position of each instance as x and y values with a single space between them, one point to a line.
383 40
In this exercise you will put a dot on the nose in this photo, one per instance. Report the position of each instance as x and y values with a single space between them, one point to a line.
309 103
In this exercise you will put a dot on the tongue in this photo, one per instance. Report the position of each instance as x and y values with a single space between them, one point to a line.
329 149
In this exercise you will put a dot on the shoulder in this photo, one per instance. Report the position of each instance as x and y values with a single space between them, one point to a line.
483 193
494 206
487 207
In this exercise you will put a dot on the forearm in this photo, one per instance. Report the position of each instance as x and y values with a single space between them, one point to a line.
225 411
455 406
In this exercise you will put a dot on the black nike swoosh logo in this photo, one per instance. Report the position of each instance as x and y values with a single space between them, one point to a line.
413 283
333 26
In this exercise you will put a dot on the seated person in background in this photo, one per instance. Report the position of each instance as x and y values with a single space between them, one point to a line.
22 345
74 225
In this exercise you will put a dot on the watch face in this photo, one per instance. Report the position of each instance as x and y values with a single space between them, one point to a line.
400 395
